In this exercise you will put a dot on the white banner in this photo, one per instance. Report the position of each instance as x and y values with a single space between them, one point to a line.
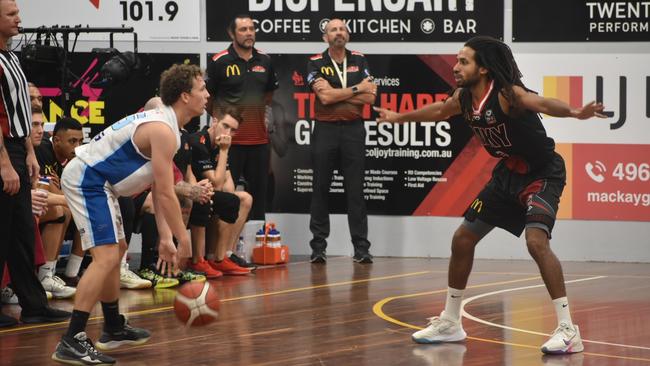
622 81
152 20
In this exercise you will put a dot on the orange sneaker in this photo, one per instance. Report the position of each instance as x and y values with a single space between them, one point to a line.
206 267
229 268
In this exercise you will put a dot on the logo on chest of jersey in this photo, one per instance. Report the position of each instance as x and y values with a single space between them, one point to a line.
232 70
353 69
489 117
326 70
258 68
202 140
495 137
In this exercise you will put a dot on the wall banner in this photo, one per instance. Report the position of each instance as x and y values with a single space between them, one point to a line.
93 104
368 21
580 21
152 20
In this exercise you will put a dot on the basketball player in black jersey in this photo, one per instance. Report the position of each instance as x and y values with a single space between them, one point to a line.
526 184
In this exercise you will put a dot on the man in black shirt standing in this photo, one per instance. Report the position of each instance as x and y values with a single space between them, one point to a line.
526 184
243 77
18 170
343 85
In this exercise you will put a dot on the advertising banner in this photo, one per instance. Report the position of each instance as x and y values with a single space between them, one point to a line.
152 20
93 102
580 21
411 169
438 168
611 182
367 20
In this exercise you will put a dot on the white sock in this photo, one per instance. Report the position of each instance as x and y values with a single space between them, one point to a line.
229 253
46 270
452 306
562 310
73 266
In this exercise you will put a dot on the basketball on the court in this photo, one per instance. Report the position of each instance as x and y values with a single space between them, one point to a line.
197 304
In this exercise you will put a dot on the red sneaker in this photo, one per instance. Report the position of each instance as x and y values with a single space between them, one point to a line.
229 268
206 267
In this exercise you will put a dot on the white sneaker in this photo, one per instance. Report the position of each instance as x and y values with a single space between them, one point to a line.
7 296
130 280
440 330
57 287
565 339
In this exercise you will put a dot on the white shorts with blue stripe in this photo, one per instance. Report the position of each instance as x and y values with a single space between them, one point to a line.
94 205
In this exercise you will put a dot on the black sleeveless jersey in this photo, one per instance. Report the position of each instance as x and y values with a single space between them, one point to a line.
522 138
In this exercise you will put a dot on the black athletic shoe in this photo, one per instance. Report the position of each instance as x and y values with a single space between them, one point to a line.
242 262
45 315
126 336
362 257
79 350
318 256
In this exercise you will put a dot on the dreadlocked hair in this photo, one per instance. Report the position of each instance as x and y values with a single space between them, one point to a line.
497 58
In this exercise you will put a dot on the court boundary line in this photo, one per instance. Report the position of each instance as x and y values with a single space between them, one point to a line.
482 321
378 310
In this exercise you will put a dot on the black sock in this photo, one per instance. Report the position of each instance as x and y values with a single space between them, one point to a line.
112 319
78 322
149 232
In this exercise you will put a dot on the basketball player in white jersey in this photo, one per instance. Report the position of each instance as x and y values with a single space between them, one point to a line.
123 160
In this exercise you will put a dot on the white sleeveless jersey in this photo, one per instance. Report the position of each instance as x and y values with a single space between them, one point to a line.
115 157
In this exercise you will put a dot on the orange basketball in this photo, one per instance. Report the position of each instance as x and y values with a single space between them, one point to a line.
197 304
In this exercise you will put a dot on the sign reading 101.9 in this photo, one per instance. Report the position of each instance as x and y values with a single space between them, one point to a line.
152 20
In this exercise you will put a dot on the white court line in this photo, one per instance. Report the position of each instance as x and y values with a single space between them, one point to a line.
471 317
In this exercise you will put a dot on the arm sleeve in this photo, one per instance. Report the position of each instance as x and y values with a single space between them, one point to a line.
273 82
313 72
366 68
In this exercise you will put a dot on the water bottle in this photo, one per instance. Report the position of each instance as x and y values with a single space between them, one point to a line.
43 188
239 248
259 237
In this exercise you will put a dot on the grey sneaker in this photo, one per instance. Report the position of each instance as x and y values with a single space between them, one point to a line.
128 335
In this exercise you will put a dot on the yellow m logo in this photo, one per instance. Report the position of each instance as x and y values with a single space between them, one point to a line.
326 70
477 205
232 70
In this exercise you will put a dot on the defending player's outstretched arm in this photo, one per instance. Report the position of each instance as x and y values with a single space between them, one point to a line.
555 107
437 111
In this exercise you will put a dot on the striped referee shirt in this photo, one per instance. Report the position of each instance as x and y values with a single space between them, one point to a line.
15 106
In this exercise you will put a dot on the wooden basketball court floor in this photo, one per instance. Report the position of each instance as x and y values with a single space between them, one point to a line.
344 313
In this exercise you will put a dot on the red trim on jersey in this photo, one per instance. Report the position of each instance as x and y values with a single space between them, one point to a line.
357 53
216 56
483 100
316 57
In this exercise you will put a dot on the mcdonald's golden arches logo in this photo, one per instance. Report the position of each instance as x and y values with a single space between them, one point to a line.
232 70
477 205
327 70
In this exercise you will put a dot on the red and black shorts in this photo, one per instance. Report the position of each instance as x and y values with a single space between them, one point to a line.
513 201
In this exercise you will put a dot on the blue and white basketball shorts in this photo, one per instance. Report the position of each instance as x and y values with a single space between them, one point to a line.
94 206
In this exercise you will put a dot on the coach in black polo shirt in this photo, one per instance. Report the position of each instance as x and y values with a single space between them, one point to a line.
18 170
343 85
244 77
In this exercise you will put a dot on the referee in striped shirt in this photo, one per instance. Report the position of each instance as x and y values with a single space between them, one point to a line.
18 170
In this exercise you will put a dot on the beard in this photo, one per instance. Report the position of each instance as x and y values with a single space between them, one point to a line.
246 46
467 82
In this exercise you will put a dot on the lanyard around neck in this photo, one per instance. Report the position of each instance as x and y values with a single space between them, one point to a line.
343 76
